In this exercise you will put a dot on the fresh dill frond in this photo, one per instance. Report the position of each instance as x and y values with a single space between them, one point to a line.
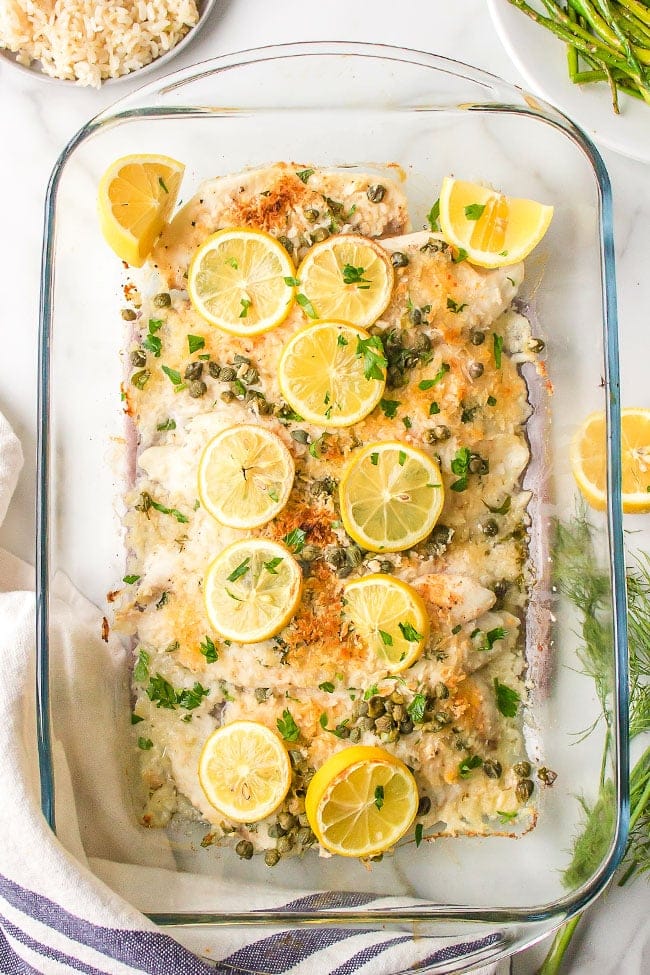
591 846
638 622
637 854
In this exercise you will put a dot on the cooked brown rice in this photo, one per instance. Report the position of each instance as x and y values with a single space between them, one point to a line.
89 40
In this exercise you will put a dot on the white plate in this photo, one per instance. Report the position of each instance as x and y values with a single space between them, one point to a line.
541 59
205 8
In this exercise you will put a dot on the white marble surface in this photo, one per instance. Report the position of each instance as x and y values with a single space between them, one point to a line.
36 121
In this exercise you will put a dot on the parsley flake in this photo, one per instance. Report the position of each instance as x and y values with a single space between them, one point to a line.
327 686
433 216
195 342
245 305
173 376
416 708
304 174
386 638
374 458
161 183
306 305
272 565
141 669
129 580
507 699
209 650
401 458
374 360
239 570
379 796
167 424
474 211
389 407
419 829
295 540
466 767
354 275
454 307
497 349
410 633
287 726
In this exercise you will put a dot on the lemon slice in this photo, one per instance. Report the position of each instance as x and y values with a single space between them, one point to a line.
390 616
135 199
494 230
348 278
332 374
245 476
588 460
252 589
237 281
361 801
244 771
391 496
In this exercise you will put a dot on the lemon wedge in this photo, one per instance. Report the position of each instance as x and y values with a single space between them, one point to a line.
332 374
244 771
390 617
347 278
588 460
494 230
245 476
135 199
391 496
252 589
361 801
241 280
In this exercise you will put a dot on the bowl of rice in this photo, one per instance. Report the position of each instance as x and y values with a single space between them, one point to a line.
92 42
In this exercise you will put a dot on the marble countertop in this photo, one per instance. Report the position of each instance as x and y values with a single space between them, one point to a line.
37 119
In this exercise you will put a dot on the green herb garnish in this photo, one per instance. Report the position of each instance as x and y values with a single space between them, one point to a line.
195 342
129 580
374 360
209 650
304 174
295 540
240 570
497 349
474 211
508 700
389 407
306 305
379 796
287 726
466 767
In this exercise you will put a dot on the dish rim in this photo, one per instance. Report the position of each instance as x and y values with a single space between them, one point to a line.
511 99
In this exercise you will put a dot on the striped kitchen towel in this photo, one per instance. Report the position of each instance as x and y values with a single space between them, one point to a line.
74 902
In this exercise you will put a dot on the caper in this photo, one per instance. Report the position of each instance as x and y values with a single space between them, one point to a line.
500 588
441 535
397 698
399 713
492 768
389 736
227 374
228 396
287 821
376 707
261 694
368 723
284 845
304 836
362 709
197 388
384 723
354 555
376 193
442 717
477 337
321 233
395 378
271 858
311 214
251 395
423 342
546 775
214 369
275 831
162 300
406 727
324 485
439 432
477 465
475 370
303 819
138 358
140 379
490 528
378 857
399 259
388 704
310 553
250 376
194 370
300 436
424 806
537 345
415 316
264 407
344 571
128 315
440 691
386 566
335 555
524 789
286 243
240 360
294 754
244 849
522 770
355 734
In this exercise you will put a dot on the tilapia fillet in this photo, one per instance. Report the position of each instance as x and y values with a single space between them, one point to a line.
454 387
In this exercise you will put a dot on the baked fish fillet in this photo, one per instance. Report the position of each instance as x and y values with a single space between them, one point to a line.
297 208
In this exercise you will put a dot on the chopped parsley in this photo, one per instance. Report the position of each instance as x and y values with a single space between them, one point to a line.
355 275
341 729
401 458
460 256
295 540
245 305
506 817
232 261
442 371
190 698
374 360
374 458
410 633
371 692
287 726
136 718
491 637
389 407
164 599
466 767
141 669
239 570
167 424
327 686
304 174
407 422
386 638
433 216
379 796
434 409
195 342
416 708
456 629
474 211
272 564
460 467
129 580
145 744
497 349
292 282
491 401
419 829
273 494
454 307
162 692
503 509
146 502
152 343
173 376
306 305
209 650
507 699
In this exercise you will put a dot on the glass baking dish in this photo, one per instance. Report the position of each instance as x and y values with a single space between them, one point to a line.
367 105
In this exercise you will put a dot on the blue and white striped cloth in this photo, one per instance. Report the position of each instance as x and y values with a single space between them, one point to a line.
74 903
